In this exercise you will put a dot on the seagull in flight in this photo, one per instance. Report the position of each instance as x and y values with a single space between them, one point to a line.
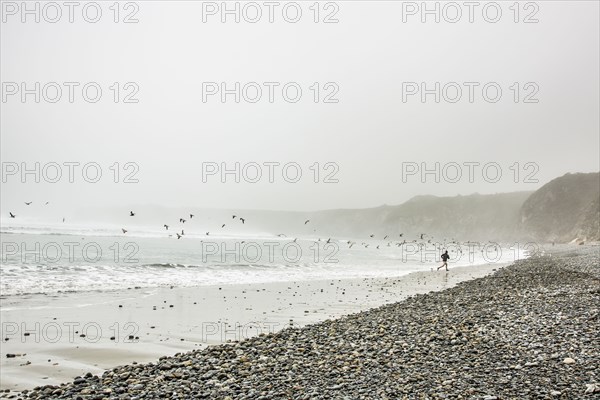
243 220
182 220
131 213
223 226
166 227
372 236
191 216
178 235
12 215
307 221
28 203
124 231
233 216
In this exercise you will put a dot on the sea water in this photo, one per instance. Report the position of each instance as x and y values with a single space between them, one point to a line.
59 259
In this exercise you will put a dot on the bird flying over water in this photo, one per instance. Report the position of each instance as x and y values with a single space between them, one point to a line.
372 236
166 227
26 203
307 221
131 213
124 231
191 216
182 220
12 215
223 226
233 216
178 235
243 220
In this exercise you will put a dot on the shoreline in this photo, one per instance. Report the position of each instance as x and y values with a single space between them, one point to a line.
528 330
165 321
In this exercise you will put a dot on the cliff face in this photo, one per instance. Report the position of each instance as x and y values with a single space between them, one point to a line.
588 225
565 209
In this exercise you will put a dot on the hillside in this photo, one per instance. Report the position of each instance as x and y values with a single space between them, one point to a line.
564 209
472 217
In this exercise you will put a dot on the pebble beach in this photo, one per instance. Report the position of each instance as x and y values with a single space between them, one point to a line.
529 330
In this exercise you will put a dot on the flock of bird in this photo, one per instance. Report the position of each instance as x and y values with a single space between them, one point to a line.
183 221
350 243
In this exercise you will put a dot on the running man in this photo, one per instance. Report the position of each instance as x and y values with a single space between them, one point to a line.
445 258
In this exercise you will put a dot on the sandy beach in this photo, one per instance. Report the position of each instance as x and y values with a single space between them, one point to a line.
44 332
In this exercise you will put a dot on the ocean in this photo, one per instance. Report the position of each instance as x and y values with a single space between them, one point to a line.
75 259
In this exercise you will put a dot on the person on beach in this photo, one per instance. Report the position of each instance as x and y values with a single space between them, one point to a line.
445 258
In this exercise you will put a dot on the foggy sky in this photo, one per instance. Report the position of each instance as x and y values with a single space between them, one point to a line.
368 134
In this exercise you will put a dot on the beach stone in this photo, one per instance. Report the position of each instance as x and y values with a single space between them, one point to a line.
592 388
502 336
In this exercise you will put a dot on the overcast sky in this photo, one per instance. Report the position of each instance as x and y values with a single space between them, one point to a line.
364 61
